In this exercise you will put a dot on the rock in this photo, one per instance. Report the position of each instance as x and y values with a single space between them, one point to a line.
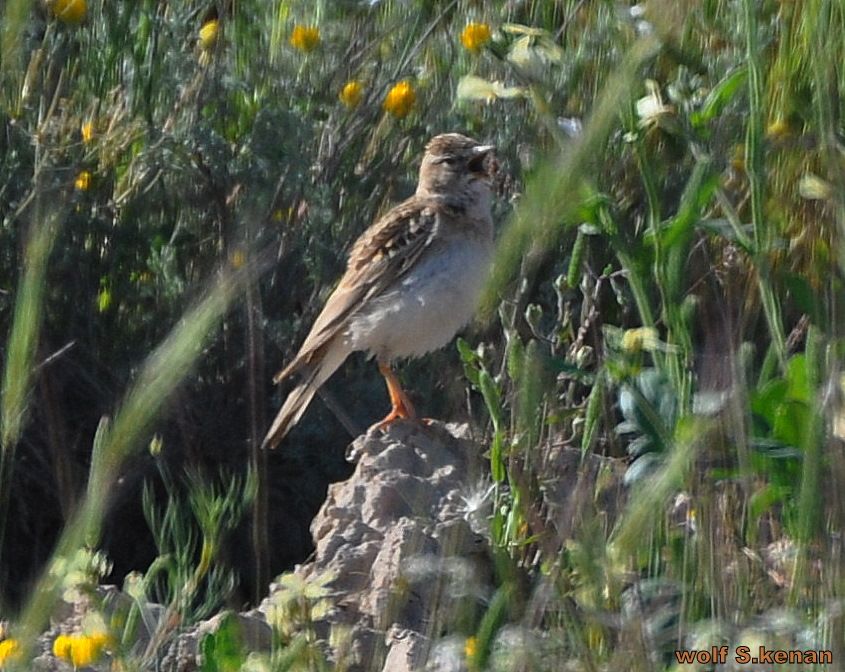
396 547
406 650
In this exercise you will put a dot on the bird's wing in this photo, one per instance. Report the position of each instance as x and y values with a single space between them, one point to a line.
382 254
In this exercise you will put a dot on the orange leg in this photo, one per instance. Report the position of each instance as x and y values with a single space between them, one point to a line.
400 405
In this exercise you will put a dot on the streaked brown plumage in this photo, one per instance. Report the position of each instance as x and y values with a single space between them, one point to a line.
411 281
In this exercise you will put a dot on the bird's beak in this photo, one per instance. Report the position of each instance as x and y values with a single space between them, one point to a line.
479 163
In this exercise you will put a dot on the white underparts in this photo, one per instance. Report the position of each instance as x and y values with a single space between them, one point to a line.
430 305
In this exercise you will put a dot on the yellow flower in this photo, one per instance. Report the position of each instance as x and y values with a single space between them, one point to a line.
83 181
400 99
62 647
637 340
305 38
737 160
475 36
80 650
238 258
351 94
83 651
70 11
208 33
101 640
9 650
156 444
778 129
104 300
87 131
471 647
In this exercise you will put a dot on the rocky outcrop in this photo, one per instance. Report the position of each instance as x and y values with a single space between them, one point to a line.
400 545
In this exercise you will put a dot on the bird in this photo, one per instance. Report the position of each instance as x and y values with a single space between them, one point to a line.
412 279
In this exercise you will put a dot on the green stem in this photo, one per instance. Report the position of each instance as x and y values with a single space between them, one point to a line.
755 167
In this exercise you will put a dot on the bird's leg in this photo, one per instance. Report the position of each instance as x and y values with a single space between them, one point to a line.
400 405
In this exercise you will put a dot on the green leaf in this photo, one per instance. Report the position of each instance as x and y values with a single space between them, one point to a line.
697 195
798 378
719 97
497 461
765 498
222 650
492 398
592 415
470 360
573 273
515 357
766 401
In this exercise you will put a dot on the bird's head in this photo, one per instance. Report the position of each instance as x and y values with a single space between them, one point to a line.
455 164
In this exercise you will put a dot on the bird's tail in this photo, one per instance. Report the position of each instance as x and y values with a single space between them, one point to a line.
297 401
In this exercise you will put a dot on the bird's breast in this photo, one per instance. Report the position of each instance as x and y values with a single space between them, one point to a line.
428 305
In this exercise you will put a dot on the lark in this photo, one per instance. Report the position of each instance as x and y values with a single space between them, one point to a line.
412 280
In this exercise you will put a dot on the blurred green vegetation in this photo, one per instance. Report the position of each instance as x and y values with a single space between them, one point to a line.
179 182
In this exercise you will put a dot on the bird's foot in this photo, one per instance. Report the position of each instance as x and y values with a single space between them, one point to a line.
401 407
401 410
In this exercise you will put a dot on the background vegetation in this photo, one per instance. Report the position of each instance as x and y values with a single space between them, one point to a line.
178 184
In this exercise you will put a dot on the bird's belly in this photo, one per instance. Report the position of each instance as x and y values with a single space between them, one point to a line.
432 302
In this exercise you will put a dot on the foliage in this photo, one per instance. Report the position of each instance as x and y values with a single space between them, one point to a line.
189 537
667 289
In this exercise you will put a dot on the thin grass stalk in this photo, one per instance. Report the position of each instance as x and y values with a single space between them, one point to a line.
638 280
164 371
22 345
827 29
659 262
258 421
810 493
756 170
13 18
825 99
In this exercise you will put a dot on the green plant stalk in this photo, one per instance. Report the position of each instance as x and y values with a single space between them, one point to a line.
769 366
593 412
674 244
652 199
826 102
490 624
754 130
810 494
531 397
679 364
23 342
756 169
493 400
573 273
637 279
638 284
659 261
164 370
13 18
